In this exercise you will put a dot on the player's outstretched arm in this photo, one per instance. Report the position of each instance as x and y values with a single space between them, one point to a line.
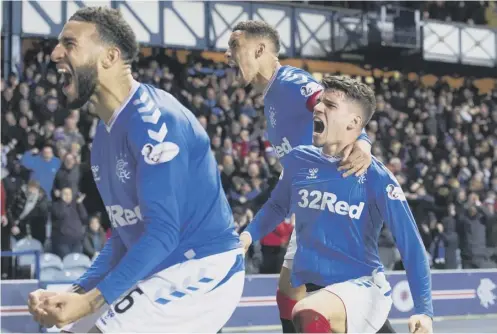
108 257
273 212
160 169
395 212
161 155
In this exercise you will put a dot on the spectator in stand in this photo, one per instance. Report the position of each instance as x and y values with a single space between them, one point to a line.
69 134
389 254
450 238
3 207
491 227
94 238
43 167
29 212
5 233
13 179
69 217
68 176
474 252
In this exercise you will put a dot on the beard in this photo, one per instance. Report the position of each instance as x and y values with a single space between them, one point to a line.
86 83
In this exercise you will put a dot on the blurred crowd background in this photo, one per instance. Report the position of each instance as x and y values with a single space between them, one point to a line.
440 142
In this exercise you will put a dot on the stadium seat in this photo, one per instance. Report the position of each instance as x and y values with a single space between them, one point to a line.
27 244
49 260
50 274
76 261
69 275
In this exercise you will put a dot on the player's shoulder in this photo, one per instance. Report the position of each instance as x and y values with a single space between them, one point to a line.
381 177
155 109
156 124
286 72
299 78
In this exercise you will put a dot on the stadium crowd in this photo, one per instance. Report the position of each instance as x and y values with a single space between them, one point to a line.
438 141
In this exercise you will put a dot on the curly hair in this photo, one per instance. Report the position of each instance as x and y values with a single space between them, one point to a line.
112 29
355 91
260 29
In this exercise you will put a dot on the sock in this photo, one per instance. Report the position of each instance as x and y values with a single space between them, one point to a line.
285 305
287 326
310 321
387 328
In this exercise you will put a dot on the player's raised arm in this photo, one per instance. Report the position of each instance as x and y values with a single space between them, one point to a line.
162 164
395 212
274 210
108 257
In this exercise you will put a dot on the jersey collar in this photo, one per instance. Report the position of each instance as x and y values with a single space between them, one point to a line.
330 158
275 74
134 87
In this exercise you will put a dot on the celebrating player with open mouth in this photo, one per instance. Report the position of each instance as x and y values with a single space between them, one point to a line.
289 96
159 181
338 222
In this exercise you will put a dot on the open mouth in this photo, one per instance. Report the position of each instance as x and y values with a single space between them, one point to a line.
318 125
236 69
66 79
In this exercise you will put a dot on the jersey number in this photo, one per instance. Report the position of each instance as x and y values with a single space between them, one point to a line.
304 203
126 303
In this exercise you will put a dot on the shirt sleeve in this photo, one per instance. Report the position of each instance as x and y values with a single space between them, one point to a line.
395 212
109 256
161 155
274 210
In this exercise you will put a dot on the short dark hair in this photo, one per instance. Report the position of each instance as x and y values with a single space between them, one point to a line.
112 28
355 91
260 29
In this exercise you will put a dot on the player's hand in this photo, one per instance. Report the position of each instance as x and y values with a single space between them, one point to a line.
15 230
81 198
420 324
246 240
35 303
65 308
356 158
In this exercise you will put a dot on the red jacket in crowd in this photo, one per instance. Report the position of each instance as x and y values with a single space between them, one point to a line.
280 235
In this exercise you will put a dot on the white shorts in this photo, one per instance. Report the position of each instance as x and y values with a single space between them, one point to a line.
290 251
367 302
194 296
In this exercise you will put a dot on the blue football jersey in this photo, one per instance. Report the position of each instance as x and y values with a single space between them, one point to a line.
158 178
338 222
289 99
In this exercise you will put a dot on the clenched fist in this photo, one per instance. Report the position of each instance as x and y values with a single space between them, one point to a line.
246 240
420 323
35 305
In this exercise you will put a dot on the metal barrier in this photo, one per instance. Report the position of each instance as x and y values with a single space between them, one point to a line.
35 272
